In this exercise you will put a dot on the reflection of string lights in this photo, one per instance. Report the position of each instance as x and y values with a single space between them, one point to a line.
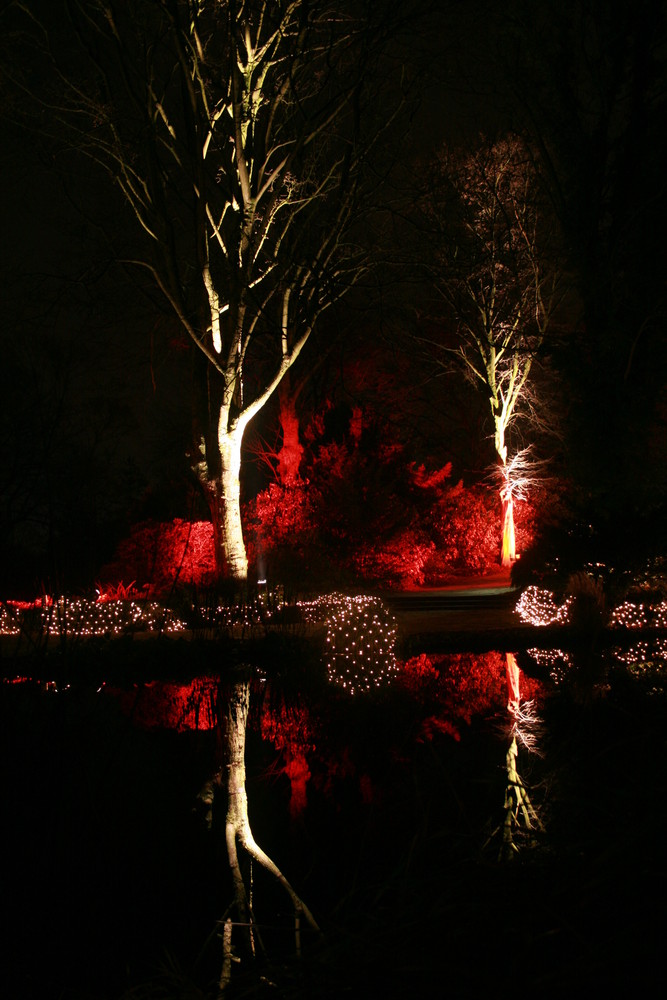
537 606
556 661
9 622
630 615
646 663
361 636
643 653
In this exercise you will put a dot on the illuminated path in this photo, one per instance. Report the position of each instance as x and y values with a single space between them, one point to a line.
466 615
464 599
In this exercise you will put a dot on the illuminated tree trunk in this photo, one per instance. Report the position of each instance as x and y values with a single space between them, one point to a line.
508 545
520 816
238 832
513 684
508 539
229 511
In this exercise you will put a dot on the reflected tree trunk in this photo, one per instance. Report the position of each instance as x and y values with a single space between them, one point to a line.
238 833
519 814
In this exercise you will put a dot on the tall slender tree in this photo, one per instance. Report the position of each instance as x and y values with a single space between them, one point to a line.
493 270
237 133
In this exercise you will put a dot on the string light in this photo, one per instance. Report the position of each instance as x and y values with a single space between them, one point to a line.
83 617
631 615
643 653
537 606
361 638
9 623
556 661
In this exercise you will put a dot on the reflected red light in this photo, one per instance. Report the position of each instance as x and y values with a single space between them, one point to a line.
171 705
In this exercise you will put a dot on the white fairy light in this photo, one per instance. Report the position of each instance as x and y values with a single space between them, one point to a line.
537 606
360 664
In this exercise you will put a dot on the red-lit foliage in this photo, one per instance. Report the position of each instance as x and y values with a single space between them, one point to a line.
465 527
157 555
362 507
108 592
359 510
171 705
460 685
401 561
292 732
464 685
40 602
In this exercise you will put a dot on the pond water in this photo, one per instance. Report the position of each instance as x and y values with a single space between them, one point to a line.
476 822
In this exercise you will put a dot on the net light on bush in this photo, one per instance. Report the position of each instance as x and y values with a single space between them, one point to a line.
361 638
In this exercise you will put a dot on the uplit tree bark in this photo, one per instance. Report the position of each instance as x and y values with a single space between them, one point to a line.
239 833
498 282
520 816
238 134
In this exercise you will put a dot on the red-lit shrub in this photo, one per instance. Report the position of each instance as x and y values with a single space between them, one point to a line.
398 561
466 530
365 509
359 511
171 705
459 686
158 555
292 732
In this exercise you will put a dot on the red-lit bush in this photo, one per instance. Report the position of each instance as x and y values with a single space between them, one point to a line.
171 705
292 732
365 509
360 510
158 555
399 561
465 525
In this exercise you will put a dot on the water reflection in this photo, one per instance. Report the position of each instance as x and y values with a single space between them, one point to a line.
347 791
334 742
521 821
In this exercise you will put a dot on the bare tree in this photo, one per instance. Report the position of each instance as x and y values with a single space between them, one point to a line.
493 270
238 135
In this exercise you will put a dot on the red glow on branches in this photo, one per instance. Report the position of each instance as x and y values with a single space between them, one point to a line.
292 731
159 555
171 705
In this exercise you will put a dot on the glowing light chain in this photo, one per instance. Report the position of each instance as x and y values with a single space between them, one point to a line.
258 611
537 606
9 621
361 637
83 617
86 617
630 615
